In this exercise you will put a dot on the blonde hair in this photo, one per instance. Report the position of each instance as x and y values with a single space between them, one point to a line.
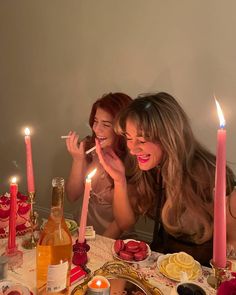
187 168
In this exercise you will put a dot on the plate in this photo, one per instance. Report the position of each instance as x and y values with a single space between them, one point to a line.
131 261
6 286
71 224
167 266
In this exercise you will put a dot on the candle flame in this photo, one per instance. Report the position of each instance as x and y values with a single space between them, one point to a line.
91 174
13 180
98 283
27 131
220 114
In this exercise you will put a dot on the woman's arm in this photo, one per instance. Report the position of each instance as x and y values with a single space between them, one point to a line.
75 181
122 208
113 231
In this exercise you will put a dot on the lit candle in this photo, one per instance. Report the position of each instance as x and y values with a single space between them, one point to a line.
12 217
219 240
29 162
84 213
99 285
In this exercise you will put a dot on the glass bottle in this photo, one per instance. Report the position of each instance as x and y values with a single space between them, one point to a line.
54 248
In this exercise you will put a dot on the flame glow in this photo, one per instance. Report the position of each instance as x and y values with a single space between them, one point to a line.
98 283
13 180
220 114
27 131
91 174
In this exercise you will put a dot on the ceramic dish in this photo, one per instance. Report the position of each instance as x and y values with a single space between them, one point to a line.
115 255
7 287
167 266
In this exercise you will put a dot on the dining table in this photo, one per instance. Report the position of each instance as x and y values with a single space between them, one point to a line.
99 253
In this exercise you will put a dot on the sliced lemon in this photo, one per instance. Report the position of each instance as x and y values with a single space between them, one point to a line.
164 263
184 260
196 271
68 224
173 270
171 258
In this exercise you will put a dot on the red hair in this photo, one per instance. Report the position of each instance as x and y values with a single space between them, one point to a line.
113 103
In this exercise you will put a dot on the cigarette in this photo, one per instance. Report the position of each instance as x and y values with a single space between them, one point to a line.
65 136
90 150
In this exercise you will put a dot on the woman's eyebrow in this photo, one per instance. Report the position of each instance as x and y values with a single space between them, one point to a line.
105 121
137 135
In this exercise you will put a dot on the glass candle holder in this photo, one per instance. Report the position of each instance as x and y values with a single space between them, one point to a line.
98 285
219 274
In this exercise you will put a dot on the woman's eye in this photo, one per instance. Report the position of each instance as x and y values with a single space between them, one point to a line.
107 125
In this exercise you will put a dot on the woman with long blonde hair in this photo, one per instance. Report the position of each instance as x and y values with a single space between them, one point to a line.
174 176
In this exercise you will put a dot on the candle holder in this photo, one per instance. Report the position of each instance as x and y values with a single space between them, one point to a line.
219 275
80 250
15 257
31 242
98 285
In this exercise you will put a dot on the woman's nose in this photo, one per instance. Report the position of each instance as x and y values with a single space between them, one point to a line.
134 148
97 128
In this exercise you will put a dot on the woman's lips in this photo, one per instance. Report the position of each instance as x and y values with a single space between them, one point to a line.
143 159
101 139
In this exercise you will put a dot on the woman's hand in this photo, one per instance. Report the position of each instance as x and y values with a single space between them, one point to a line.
111 163
77 151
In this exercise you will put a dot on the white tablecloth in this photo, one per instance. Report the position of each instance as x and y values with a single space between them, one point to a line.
100 252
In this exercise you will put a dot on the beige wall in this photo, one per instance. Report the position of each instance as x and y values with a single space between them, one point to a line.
57 57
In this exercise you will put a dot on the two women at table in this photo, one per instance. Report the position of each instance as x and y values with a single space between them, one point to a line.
100 211
174 176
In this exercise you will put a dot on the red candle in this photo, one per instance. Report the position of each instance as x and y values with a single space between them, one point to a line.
84 213
12 217
219 239
29 162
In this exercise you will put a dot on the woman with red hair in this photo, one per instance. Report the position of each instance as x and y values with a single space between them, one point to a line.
102 117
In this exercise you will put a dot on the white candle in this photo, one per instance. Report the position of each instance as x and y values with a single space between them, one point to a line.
84 213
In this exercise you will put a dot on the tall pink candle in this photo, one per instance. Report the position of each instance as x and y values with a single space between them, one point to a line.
12 217
84 213
29 162
219 239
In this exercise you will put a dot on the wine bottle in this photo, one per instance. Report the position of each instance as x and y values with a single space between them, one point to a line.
54 248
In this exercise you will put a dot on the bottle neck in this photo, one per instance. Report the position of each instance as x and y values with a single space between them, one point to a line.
58 197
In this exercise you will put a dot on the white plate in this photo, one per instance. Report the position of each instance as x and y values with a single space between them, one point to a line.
162 257
131 261
4 285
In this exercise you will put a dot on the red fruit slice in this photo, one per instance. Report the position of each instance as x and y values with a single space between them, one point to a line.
128 256
141 255
133 250
118 246
132 245
143 246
